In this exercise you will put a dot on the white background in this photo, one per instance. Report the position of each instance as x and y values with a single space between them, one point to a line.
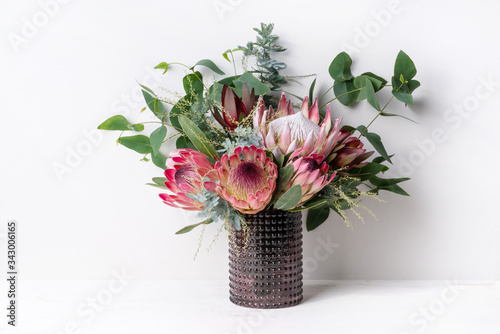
81 67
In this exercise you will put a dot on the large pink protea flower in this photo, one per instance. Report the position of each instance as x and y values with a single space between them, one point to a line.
234 109
309 173
348 153
185 173
247 179
283 131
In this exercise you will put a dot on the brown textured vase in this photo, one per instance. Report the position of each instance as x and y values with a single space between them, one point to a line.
265 266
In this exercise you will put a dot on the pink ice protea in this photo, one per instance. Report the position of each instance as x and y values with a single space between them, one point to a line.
185 173
247 179
282 131
309 173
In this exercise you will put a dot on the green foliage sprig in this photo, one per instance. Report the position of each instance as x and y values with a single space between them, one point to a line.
267 67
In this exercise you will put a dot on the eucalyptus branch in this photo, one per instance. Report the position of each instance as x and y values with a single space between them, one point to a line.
379 113
352 91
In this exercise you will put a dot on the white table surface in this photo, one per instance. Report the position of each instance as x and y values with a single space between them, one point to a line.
365 307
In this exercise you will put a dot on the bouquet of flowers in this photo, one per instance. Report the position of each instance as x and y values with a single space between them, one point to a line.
242 145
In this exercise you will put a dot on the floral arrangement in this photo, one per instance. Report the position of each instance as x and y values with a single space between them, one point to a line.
242 146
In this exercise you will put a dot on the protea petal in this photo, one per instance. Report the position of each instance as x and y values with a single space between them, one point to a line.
327 121
285 138
282 107
305 107
314 112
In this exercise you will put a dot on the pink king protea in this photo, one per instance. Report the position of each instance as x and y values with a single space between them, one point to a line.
185 173
309 173
247 179
283 131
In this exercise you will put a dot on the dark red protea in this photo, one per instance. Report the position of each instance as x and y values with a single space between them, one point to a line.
348 153
234 109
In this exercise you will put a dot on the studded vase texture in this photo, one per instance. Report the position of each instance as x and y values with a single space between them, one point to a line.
265 266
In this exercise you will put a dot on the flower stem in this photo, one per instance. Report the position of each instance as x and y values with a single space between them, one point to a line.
379 113
352 91
335 84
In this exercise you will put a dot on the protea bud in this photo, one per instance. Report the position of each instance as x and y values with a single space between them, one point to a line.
348 153
234 109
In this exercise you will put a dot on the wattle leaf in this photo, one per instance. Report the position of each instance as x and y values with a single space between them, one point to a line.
197 137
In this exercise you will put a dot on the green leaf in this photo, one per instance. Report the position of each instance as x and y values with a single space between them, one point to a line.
181 142
160 180
379 160
147 89
163 65
340 67
231 51
342 88
402 83
311 91
190 227
137 127
139 143
317 216
210 64
177 110
315 202
252 82
117 122
378 82
395 189
284 175
405 67
367 91
157 137
379 182
193 83
154 104
376 142
396 115
214 94
280 162
289 199
197 137
368 171
159 160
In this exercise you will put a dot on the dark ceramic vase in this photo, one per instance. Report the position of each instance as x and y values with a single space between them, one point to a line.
265 262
